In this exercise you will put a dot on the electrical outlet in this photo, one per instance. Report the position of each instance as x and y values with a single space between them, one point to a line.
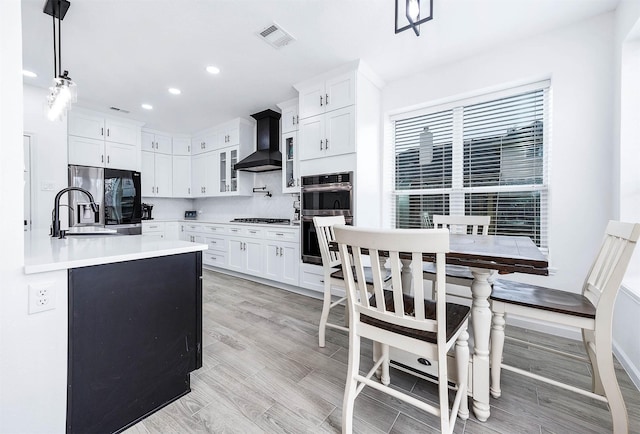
41 297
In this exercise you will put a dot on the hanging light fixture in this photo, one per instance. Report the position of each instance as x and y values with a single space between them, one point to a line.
63 92
415 13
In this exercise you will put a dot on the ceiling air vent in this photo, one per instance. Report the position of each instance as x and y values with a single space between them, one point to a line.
118 109
275 36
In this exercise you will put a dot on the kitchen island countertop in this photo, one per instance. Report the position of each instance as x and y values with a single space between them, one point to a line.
43 253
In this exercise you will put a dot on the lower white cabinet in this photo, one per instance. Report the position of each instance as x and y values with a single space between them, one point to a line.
265 251
161 230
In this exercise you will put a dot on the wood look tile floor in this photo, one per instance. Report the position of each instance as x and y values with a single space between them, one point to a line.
263 372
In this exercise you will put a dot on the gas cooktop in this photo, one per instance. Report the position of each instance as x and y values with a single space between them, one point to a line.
262 220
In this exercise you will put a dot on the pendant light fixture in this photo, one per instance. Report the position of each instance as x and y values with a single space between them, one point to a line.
63 92
413 12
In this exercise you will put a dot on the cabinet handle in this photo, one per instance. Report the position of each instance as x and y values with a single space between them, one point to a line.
280 251
326 144
157 189
321 141
102 132
188 148
107 132
297 119
108 159
188 190
326 99
276 250
279 234
320 100
252 232
102 158
153 189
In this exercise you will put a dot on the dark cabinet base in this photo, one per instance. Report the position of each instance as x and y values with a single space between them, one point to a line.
135 334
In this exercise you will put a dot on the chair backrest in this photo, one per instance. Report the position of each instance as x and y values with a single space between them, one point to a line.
460 224
608 269
324 231
355 244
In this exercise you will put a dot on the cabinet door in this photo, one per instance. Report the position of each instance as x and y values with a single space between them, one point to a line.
163 175
147 174
121 156
312 100
340 91
86 152
311 137
163 144
273 262
181 176
290 257
121 132
148 141
232 135
181 146
290 177
235 258
290 119
210 175
253 250
340 135
198 175
223 173
85 125
233 174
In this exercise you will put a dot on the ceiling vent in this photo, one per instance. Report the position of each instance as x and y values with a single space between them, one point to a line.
118 109
275 36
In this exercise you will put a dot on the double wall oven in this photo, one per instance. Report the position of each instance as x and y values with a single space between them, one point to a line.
323 195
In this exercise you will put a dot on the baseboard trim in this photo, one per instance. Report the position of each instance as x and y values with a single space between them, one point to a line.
627 364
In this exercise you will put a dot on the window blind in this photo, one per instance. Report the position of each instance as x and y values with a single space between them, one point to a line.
489 157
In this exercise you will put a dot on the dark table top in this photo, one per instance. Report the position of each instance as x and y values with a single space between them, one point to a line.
506 254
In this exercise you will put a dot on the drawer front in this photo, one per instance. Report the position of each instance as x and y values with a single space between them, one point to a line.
217 243
283 235
215 259
238 231
191 227
211 229
254 232
311 280
152 227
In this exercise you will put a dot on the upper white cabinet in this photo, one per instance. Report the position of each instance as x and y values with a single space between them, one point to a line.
156 142
326 95
181 176
290 163
203 174
327 135
204 142
97 140
156 176
181 145
290 118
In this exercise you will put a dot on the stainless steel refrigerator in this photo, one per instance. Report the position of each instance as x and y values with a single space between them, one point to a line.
117 192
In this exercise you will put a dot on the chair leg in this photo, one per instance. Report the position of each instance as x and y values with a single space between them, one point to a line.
324 316
588 339
385 378
462 364
497 346
607 376
443 391
353 369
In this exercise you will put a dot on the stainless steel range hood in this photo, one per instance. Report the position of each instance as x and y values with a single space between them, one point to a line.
268 156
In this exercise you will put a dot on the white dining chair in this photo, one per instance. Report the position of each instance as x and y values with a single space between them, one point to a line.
458 224
590 311
392 317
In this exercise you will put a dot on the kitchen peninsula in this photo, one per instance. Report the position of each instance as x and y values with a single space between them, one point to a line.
127 314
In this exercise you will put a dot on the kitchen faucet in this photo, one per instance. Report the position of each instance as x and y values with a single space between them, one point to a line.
55 224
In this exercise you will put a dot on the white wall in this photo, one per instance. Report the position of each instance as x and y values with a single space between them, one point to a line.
582 88
48 156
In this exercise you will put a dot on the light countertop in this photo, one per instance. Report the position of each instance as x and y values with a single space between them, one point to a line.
43 253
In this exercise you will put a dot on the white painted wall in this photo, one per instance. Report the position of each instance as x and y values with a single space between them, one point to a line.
49 156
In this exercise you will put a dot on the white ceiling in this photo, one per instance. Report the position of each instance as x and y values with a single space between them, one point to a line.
124 53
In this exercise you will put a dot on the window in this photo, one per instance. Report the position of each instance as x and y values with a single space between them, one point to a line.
488 156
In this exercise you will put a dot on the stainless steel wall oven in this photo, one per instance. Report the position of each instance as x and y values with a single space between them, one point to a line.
323 195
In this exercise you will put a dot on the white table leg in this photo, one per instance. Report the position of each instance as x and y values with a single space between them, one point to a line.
481 322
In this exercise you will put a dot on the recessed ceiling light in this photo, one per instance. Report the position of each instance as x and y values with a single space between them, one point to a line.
29 74
147 106
213 70
174 91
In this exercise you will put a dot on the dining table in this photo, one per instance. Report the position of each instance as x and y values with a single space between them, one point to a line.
485 255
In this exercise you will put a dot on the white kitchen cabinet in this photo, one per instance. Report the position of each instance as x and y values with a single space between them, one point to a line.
290 163
290 117
172 231
181 145
99 141
204 142
326 95
329 134
245 254
156 142
204 174
156 175
191 232
151 229
181 182
282 261
231 182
